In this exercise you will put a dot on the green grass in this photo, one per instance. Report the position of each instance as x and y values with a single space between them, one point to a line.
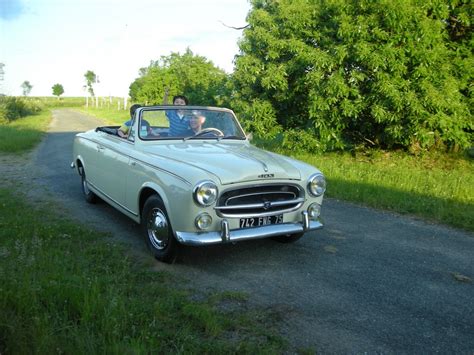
65 289
110 114
24 133
54 102
434 186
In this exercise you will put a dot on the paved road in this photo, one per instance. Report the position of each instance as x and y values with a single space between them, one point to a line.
370 281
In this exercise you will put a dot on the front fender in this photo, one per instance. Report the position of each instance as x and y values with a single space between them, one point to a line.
175 197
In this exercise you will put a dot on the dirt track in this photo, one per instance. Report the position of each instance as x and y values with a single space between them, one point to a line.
370 281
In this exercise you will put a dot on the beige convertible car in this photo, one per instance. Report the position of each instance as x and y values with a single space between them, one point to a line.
189 175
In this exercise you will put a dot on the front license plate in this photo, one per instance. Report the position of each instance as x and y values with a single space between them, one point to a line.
260 221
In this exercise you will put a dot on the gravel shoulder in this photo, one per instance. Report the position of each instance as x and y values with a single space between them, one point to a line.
370 281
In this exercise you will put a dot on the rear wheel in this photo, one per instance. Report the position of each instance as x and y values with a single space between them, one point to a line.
88 194
288 238
157 230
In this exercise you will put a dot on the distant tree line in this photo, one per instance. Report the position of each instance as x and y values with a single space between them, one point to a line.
335 74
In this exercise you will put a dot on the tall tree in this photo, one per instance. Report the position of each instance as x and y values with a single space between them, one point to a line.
26 87
91 79
354 71
58 90
188 74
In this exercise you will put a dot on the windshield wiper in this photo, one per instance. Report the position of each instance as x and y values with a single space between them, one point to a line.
233 137
196 137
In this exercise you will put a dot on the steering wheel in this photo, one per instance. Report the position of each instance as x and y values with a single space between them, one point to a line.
214 131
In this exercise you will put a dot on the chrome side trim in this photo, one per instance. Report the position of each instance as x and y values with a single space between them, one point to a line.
236 235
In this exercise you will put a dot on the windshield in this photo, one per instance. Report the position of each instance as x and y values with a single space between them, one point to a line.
178 122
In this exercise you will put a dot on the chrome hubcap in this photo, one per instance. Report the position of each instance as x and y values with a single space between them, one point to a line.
157 227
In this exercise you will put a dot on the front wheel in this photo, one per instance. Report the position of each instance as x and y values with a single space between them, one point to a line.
88 194
288 238
157 230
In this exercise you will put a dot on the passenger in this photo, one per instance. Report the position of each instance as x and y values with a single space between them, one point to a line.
125 128
179 122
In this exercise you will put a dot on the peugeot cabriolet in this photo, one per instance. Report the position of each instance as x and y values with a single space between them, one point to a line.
204 184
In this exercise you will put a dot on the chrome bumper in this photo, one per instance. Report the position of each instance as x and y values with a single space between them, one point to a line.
237 235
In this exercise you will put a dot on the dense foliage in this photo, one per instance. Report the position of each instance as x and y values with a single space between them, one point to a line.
383 73
187 74
12 108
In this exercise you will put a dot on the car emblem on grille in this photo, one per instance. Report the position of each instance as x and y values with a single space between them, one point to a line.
266 176
267 205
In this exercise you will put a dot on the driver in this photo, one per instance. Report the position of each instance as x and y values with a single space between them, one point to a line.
195 124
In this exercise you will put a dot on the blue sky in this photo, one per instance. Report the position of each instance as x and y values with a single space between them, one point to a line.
57 41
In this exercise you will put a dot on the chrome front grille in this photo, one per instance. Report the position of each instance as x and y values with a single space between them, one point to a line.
262 200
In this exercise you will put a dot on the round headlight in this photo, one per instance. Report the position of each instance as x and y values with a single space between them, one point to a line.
205 193
314 210
316 184
203 221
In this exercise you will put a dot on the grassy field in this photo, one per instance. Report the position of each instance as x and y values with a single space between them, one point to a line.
437 187
111 115
66 289
25 133
54 102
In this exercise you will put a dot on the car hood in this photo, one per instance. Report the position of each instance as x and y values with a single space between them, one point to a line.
229 162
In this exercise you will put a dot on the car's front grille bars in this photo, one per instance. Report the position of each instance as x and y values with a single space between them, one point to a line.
262 200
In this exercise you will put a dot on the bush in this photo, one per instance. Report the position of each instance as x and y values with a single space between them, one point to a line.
300 141
259 118
12 108
395 74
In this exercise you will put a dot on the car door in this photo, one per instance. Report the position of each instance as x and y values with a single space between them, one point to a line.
112 164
